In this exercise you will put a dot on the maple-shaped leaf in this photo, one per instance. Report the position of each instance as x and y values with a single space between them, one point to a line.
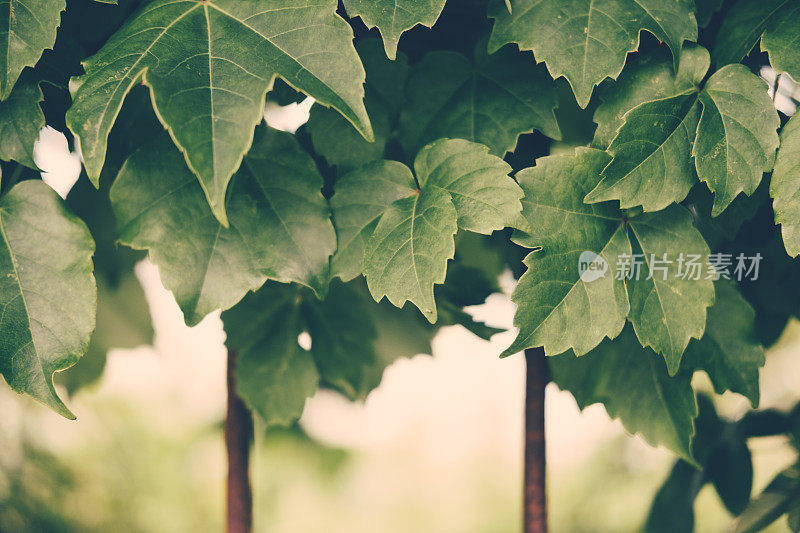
407 253
47 291
785 186
361 198
209 65
336 139
573 293
633 384
399 230
274 374
486 199
652 166
729 351
648 76
491 100
668 299
775 22
393 17
730 127
27 28
587 42
279 229
561 306
737 135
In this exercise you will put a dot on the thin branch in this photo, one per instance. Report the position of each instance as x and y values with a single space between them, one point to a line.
238 435
535 505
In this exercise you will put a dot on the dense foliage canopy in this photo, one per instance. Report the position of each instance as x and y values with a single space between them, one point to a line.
622 158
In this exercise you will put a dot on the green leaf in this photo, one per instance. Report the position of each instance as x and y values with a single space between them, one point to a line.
47 292
393 17
737 135
634 386
647 77
491 100
673 505
587 42
559 307
274 375
27 27
361 198
342 338
724 227
729 351
652 166
484 195
279 223
209 65
335 139
408 251
706 10
744 25
785 186
669 309
780 40
21 120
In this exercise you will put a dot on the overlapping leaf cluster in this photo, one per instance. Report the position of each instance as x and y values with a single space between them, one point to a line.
403 175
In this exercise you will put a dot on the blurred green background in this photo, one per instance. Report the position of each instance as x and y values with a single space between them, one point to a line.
436 448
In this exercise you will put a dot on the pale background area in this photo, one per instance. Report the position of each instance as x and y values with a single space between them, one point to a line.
436 448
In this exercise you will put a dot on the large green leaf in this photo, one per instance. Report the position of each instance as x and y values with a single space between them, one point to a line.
780 40
209 65
393 17
280 224
785 186
408 251
652 166
342 339
559 305
21 120
491 100
485 198
274 375
334 137
746 22
737 135
732 141
669 308
634 386
587 41
648 76
47 291
729 351
27 27
361 198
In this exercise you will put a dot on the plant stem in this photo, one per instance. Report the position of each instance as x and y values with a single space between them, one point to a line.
238 435
535 504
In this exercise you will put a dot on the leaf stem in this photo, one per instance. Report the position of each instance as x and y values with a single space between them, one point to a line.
238 435
535 502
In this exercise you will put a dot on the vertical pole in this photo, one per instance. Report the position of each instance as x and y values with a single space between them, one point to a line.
238 435
535 504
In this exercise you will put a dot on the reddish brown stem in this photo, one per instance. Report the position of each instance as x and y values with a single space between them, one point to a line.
238 435
535 505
